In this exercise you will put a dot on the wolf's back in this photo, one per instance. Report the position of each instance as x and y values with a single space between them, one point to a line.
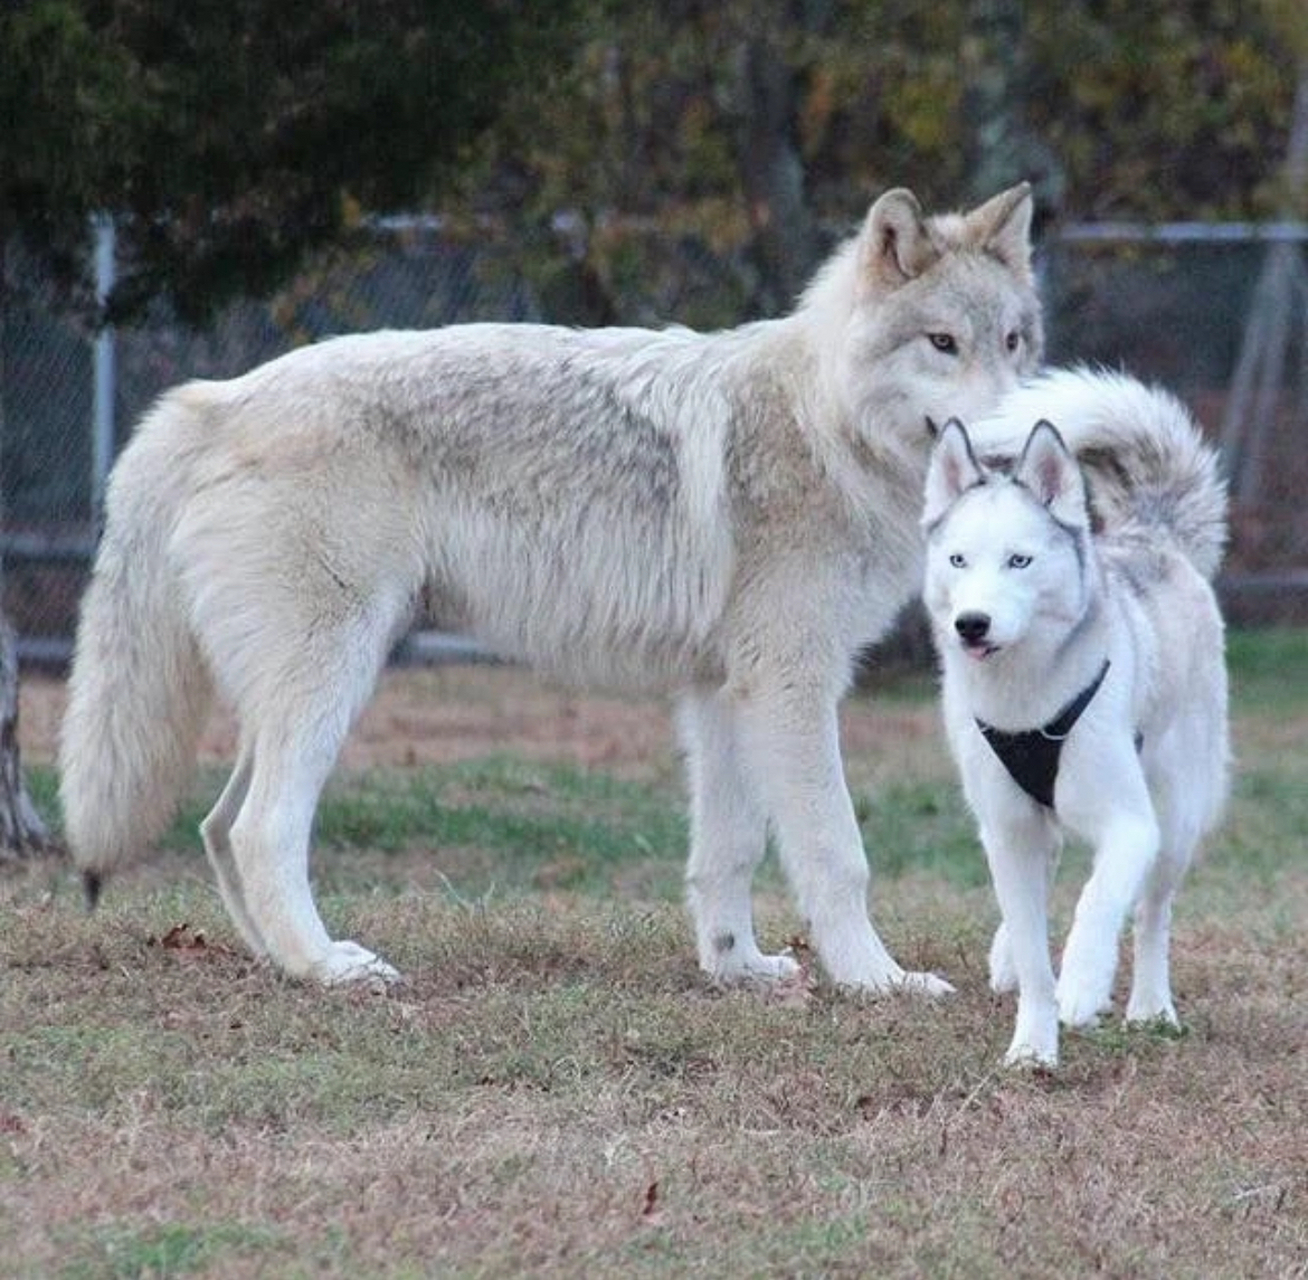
1150 469
138 688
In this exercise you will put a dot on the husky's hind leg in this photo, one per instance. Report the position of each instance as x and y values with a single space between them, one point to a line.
1151 982
1003 968
728 836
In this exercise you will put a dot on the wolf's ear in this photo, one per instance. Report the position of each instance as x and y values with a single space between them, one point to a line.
1002 226
953 470
894 246
1053 475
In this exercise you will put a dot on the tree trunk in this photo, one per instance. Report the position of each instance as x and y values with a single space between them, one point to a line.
22 833
1004 148
1275 325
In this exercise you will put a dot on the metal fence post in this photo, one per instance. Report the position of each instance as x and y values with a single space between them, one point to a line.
102 410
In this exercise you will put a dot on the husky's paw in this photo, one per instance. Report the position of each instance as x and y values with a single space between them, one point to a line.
1151 1007
1003 973
1029 1057
347 962
1082 998
1035 1035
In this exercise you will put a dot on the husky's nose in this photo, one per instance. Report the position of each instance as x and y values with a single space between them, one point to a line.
972 627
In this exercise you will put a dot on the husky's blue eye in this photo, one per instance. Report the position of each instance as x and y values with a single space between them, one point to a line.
943 342
958 560
1018 561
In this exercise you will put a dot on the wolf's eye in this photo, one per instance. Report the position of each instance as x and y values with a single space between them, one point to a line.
1013 341
958 560
944 342
1018 561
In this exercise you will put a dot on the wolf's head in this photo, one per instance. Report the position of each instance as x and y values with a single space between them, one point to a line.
1008 554
920 319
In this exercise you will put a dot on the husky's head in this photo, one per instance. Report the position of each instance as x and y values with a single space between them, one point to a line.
921 319
1008 553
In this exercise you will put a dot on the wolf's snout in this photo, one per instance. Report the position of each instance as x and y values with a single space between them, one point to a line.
972 627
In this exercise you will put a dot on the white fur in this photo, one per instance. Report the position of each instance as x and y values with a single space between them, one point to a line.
726 517
1013 544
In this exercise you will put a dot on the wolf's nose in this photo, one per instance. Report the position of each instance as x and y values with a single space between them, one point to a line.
972 627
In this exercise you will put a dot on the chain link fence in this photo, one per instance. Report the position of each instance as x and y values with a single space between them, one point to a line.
1172 305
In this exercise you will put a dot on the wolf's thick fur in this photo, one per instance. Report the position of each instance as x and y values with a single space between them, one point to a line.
727 517
1034 582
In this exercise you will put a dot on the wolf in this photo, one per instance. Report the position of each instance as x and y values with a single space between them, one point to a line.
1083 673
723 517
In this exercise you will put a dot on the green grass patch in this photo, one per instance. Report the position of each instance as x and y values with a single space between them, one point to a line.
170 1249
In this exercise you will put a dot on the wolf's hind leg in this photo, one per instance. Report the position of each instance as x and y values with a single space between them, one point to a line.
269 844
728 837
294 718
216 832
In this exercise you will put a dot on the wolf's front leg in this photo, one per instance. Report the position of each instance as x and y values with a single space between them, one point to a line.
789 737
728 836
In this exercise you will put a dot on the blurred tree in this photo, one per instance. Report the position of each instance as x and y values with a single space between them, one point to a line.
229 138
702 154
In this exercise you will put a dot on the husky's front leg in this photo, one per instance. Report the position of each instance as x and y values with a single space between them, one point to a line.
1020 850
1126 847
789 735
728 837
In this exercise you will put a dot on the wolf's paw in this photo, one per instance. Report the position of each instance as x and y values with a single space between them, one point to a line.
741 969
347 962
926 984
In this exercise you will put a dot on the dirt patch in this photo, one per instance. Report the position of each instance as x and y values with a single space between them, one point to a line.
436 715
433 716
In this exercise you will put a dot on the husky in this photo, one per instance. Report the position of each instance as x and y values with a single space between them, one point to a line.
727 518
1083 674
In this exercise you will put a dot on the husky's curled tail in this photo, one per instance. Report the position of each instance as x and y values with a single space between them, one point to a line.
139 689
1148 467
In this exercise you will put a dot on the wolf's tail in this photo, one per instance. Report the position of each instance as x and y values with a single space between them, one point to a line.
1149 467
139 688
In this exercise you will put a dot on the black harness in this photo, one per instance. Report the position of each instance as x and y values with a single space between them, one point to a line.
1031 757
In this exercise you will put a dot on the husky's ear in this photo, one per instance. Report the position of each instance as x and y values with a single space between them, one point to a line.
894 246
1002 226
953 470
1050 471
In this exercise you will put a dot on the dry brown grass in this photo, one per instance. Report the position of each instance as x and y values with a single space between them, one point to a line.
555 1092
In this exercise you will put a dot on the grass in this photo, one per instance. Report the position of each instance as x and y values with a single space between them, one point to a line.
554 1090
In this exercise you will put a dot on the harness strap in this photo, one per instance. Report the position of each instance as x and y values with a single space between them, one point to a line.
1031 756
